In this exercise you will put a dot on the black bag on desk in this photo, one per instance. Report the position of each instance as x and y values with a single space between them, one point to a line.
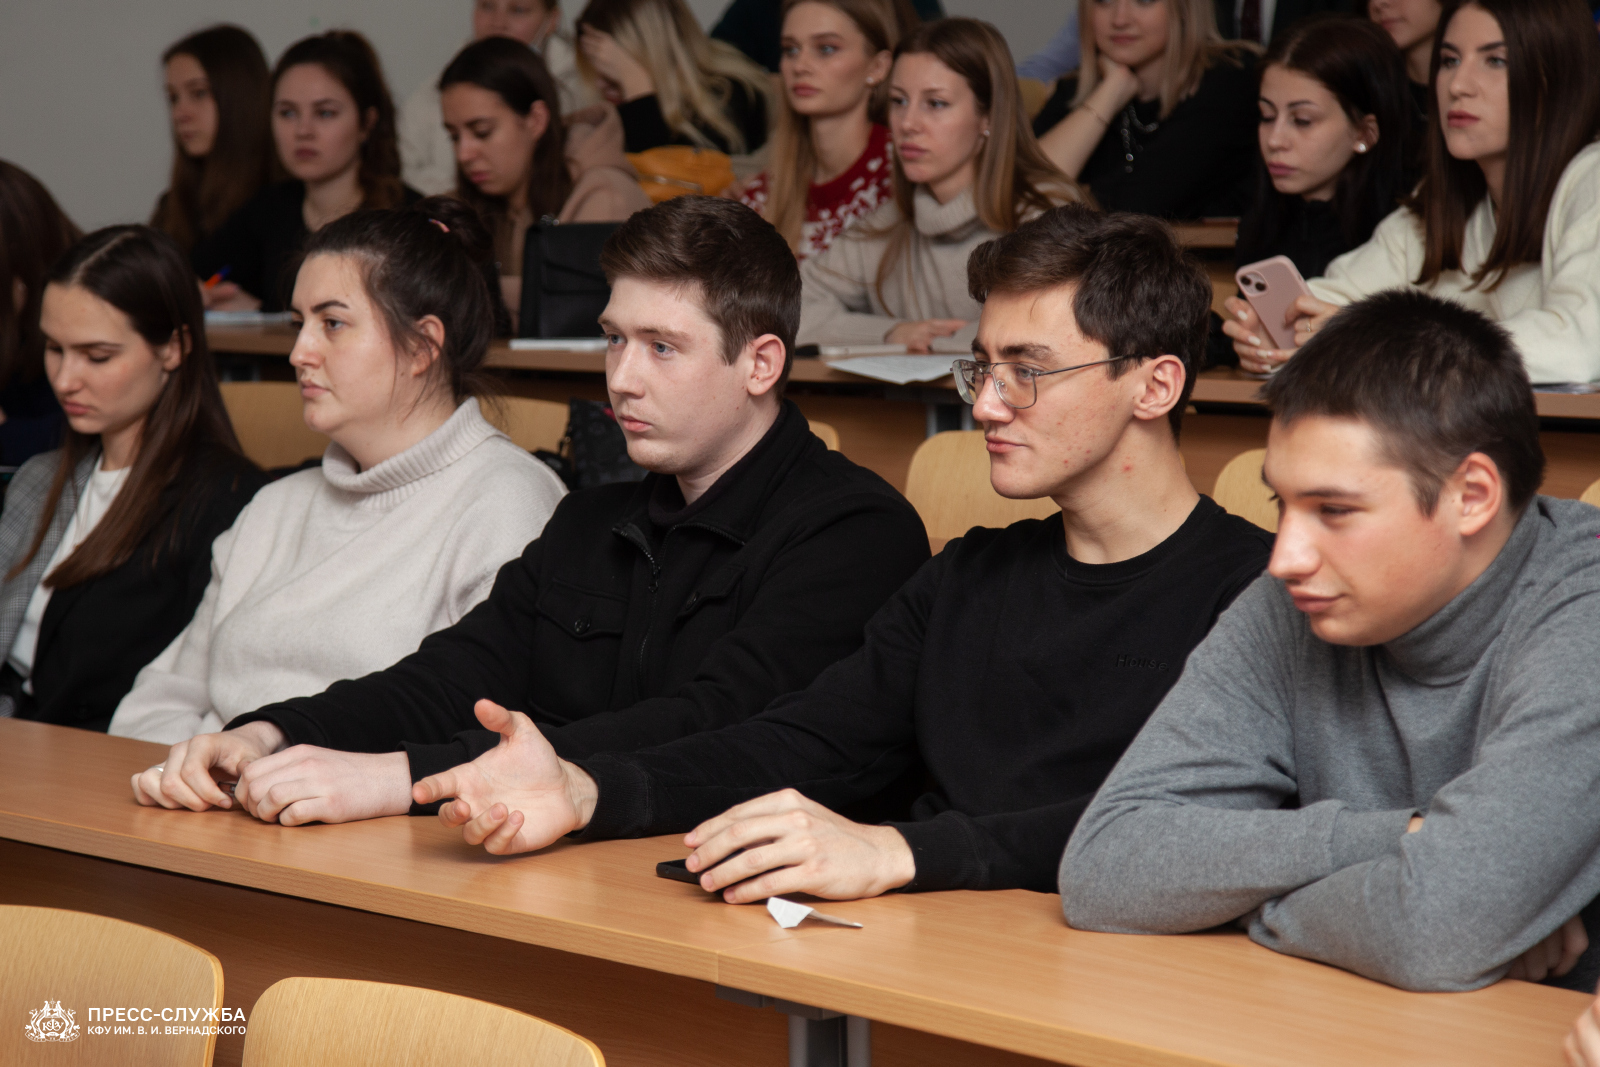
563 288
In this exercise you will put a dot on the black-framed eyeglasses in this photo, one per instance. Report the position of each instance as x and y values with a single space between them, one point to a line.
1016 383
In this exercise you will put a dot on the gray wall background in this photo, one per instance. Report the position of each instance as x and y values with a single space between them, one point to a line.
81 105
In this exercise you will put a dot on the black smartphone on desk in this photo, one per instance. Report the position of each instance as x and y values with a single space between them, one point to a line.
678 870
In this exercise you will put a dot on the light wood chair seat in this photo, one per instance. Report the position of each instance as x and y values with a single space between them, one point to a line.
1241 491
948 484
532 424
1591 495
82 961
829 435
334 1022
268 421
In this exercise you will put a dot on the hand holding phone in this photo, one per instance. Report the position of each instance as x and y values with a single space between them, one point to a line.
1272 286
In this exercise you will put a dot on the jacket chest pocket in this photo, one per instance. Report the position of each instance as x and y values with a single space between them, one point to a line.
717 596
581 614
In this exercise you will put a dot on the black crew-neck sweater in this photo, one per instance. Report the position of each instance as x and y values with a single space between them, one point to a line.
1017 674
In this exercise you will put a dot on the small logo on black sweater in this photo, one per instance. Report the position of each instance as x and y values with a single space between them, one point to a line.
1127 661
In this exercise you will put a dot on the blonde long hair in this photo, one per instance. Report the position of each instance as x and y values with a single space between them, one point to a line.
1013 178
1194 44
693 74
794 158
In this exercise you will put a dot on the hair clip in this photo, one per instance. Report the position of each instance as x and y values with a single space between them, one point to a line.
441 225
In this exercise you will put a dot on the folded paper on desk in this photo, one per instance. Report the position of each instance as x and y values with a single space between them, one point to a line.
558 344
789 914
898 370
248 318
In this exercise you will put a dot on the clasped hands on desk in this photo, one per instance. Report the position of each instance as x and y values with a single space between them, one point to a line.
587 936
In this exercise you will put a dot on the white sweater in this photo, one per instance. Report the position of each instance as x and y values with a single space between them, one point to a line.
331 574
1551 308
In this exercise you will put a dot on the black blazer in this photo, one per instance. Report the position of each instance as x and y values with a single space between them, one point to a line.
96 636
1286 14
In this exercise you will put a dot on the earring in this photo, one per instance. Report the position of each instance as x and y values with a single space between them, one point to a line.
871 82
1361 146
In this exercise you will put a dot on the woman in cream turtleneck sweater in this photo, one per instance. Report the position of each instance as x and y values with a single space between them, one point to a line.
967 169
336 572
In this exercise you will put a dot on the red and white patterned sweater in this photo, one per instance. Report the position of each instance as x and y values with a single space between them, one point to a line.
833 205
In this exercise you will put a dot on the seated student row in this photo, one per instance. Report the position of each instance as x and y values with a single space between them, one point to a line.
107 544
1084 621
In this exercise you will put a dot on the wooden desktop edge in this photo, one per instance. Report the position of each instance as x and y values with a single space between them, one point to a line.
1222 385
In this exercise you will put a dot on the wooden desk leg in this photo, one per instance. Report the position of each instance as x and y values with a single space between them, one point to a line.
817 1037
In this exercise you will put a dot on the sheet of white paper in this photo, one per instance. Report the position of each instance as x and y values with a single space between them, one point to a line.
899 370
558 344
841 351
787 913
247 318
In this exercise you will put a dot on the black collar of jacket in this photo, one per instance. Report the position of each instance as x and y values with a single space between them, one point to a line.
733 506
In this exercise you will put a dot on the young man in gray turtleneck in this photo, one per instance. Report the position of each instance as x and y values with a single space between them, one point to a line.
1385 756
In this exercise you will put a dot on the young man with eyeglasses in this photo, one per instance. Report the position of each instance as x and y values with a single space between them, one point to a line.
1016 665
749 560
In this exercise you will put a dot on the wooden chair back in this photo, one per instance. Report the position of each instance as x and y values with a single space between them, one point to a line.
829 435
79 961
949 486
1241 491
335 1022
1591 495
268 421
531 424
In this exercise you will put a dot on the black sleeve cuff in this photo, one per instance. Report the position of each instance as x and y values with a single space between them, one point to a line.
428 760
623 809
944 854
296 727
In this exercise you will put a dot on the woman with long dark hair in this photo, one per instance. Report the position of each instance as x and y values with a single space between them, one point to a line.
1506 219
105 543
333 125
342 570
1335 142
34 232
519 161
217 93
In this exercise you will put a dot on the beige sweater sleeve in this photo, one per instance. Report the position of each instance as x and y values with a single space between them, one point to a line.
837 303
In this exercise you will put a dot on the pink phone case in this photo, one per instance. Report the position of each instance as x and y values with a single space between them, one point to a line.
1271 286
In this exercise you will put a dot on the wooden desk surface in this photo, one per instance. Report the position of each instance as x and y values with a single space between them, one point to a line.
1220 386
999 969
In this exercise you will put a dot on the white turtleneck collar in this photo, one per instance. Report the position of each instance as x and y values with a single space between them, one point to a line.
390 482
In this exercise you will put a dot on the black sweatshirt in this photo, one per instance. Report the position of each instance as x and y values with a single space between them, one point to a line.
260 242
634 620
644 126
1018 674
1198 162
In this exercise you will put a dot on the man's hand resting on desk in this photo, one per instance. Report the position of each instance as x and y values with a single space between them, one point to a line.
517 797
795 845
188 777
290 786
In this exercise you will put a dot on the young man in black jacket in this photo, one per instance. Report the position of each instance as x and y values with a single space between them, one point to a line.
1017 664
746 563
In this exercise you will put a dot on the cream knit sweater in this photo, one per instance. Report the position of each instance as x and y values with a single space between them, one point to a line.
331 574
1550 308
839 299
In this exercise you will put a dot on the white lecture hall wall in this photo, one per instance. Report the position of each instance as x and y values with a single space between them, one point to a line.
80 80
